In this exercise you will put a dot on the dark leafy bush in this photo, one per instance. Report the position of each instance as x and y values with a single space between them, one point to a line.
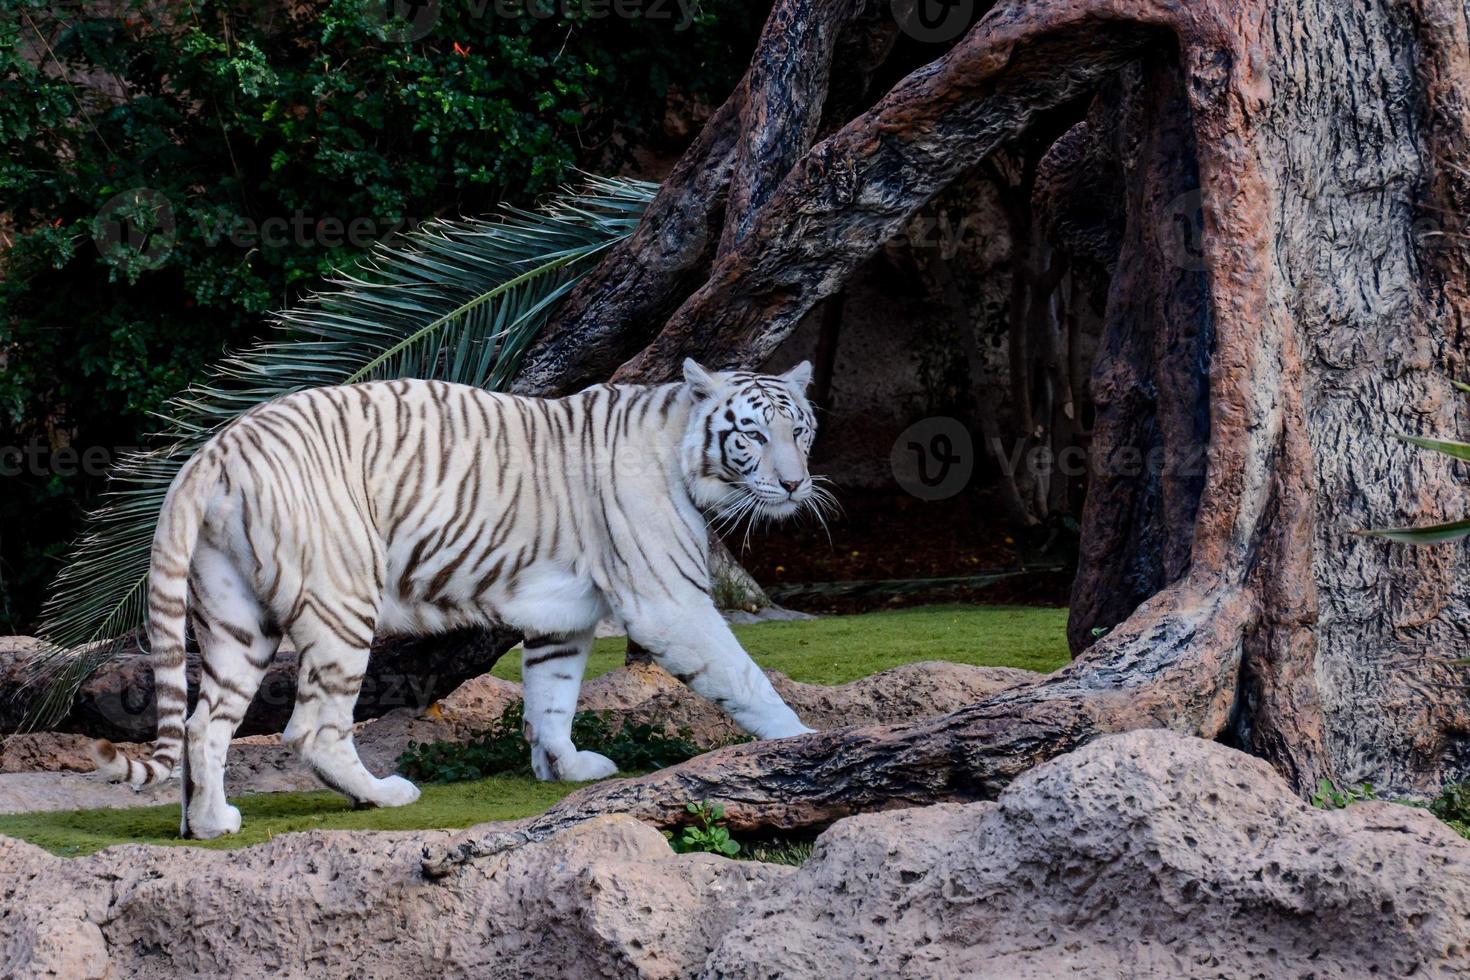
171 170
501 749
1452 805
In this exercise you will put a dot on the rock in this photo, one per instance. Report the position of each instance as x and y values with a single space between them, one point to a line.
608 898
767 614
48 752
476 704
643 693
116 701
1145 854
646 694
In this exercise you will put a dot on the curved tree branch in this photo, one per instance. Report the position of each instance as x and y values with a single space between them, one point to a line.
783 107
617 306
747 146
854 190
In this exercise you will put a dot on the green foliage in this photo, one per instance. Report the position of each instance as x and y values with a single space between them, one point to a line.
707 834
1329 797
171 172
1452 805
502 749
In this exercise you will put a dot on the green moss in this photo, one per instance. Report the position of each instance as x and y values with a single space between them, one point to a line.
838 649
75 832
831 650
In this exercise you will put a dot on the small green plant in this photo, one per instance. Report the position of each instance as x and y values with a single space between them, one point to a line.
1452 805
708 834
1329 797
501 749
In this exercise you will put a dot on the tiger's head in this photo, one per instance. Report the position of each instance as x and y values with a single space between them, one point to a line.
746 446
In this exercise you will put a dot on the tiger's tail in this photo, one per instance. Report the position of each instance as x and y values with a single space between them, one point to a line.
174 540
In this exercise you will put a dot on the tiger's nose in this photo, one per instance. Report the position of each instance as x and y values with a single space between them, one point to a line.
790 485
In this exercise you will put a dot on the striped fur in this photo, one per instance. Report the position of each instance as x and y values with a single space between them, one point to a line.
331 515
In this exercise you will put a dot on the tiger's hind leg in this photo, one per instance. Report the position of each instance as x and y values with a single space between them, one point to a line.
333 642
551 677
238 644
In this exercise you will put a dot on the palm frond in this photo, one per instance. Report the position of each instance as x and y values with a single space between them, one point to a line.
1430 534
1458 450
451 300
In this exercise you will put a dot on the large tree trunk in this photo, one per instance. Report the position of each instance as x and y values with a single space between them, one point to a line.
1258 372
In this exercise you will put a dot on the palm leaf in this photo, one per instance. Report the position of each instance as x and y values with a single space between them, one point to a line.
1461 385
452 300
1432 534
1459 450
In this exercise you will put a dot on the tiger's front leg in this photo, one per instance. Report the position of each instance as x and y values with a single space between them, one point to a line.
551 677
695 644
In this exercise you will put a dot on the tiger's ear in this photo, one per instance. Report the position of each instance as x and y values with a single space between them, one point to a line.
800 376
702 382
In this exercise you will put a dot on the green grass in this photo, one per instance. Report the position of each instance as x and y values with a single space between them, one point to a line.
831 650
838 649
76 832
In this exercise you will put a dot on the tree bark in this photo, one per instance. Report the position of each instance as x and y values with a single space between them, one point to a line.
1149 386
1328 151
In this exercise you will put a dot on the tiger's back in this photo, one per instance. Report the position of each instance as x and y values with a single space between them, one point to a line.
438 505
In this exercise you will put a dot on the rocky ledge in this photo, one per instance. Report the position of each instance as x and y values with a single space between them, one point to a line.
43 771
1145 854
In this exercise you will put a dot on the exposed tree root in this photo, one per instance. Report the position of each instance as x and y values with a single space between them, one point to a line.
1174 667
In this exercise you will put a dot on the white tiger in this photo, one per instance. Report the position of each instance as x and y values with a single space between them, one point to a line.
333 514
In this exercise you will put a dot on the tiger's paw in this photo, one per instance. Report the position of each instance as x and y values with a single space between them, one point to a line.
584 767
395 791
208 826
